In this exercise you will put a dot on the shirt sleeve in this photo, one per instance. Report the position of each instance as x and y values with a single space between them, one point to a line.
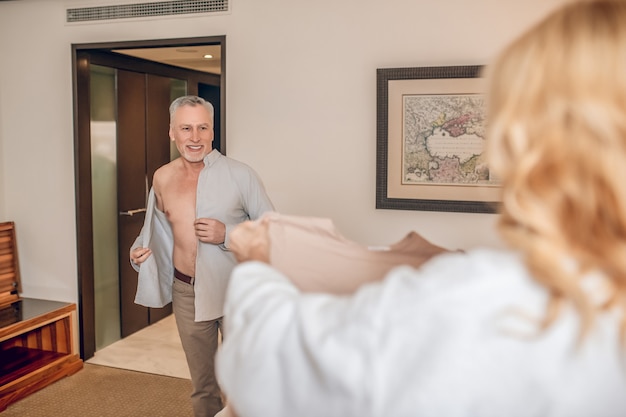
254 199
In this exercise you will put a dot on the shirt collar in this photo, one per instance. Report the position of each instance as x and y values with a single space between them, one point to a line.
211 157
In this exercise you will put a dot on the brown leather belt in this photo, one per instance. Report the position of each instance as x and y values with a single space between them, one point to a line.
184 278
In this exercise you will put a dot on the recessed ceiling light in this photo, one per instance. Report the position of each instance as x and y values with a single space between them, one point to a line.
208 56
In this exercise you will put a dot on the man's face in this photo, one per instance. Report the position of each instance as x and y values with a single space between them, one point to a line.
191 129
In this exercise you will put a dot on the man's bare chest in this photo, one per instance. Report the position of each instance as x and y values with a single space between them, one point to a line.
179 202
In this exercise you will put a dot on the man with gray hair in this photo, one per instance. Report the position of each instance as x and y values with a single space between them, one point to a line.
182 251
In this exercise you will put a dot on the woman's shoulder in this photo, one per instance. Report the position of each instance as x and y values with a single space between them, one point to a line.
481 264
478 281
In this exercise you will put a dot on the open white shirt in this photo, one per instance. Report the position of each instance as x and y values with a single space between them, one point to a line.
229 191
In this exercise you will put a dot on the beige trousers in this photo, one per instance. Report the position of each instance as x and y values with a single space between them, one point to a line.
200 341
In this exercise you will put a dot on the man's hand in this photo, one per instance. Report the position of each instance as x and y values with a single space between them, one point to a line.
210 231
249 241
139 255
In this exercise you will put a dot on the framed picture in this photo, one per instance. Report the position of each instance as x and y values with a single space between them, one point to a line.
430 141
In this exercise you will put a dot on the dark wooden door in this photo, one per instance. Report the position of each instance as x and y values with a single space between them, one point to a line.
150 111
158 98
142 147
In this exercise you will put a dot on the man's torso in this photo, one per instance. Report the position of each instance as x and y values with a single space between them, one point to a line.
175 188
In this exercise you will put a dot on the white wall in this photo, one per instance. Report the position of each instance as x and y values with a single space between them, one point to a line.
301 109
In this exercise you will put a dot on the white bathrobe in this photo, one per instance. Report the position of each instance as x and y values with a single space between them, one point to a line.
453 338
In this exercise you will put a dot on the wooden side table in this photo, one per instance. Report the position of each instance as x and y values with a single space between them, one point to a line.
36 347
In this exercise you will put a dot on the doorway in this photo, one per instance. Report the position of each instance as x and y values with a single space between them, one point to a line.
121 122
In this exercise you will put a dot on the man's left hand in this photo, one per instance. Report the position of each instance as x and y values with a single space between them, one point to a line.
210 230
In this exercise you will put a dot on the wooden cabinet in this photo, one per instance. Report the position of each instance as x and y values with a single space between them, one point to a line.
36 336
9 266
36 347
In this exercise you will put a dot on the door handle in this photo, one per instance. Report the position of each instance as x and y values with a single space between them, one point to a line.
132 212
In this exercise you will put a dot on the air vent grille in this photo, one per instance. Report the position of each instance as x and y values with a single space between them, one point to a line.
152 9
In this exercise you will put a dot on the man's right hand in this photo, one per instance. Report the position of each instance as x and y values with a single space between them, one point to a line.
139 255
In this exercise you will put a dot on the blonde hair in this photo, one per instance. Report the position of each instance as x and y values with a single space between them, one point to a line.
557 140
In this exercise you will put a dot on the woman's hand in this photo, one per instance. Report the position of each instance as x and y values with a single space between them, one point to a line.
249 241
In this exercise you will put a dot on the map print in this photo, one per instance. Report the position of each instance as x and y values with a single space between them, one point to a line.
444 140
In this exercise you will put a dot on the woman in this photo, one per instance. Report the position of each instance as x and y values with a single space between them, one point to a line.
536 330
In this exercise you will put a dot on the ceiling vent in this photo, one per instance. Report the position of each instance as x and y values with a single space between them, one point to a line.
141 10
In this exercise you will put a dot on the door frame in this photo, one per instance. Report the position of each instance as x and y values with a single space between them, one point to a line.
82 56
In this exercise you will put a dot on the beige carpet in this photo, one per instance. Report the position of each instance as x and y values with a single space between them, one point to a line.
101 391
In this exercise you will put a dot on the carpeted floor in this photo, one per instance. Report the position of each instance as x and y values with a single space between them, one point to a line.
102 391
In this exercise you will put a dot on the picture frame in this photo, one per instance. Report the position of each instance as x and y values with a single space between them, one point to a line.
427 164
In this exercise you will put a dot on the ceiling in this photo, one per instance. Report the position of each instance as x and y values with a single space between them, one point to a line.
190 57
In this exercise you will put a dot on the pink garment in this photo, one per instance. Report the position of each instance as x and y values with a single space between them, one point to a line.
317 258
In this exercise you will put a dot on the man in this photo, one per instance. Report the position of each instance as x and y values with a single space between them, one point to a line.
194 202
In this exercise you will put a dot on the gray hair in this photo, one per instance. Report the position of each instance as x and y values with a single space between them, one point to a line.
190 101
